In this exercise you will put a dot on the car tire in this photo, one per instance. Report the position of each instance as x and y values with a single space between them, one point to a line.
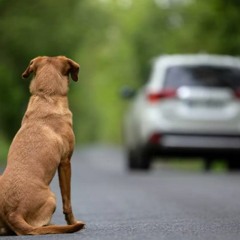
233 164
138 159
131 160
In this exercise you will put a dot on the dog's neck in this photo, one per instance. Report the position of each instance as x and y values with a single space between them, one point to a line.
41 107
48 102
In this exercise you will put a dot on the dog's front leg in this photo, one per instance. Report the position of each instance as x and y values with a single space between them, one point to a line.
64 173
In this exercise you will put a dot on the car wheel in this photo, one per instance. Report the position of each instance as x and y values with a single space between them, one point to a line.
233 164
131 160
138 160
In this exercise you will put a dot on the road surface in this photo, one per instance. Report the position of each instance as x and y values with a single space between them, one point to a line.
164 204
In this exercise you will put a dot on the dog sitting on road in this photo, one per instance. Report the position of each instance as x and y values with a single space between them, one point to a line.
43 144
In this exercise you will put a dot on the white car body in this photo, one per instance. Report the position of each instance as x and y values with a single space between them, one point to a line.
188 117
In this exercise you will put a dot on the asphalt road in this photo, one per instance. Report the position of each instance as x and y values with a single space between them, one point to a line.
164 204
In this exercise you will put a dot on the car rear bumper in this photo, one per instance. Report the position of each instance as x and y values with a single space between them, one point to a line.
202 145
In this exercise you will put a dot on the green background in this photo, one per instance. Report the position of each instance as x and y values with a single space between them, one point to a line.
113 41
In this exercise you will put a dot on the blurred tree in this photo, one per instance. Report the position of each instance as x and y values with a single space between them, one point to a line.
113 40
29 29
210 27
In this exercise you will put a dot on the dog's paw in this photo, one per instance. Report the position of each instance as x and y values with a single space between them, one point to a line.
80 225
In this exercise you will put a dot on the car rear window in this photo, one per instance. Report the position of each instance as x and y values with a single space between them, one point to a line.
209 76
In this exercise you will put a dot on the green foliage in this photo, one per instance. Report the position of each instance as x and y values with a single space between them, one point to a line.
27 29
114 41
3 149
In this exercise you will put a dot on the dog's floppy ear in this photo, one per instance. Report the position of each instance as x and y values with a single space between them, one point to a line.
29 69
74 69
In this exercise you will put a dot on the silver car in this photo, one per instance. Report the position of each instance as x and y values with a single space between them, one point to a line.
190 106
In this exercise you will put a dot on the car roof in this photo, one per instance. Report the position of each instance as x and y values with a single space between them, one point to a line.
197 59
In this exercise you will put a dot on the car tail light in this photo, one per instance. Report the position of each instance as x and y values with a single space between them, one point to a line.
163 94
237 93
155 138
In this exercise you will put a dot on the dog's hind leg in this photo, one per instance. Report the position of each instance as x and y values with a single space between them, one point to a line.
37 223
21 227
42 214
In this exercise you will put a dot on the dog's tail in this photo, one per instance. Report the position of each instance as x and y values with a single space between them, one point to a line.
21 227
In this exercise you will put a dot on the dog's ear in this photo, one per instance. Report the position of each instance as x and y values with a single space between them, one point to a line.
29 69
74 69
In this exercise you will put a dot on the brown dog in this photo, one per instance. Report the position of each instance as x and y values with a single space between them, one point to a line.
43 144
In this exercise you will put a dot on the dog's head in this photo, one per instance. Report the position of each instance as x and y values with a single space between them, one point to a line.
63 64
51 74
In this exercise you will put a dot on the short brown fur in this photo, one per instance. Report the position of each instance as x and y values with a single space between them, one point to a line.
43 145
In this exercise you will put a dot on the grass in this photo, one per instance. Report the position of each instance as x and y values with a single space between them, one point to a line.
4 145
194 164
